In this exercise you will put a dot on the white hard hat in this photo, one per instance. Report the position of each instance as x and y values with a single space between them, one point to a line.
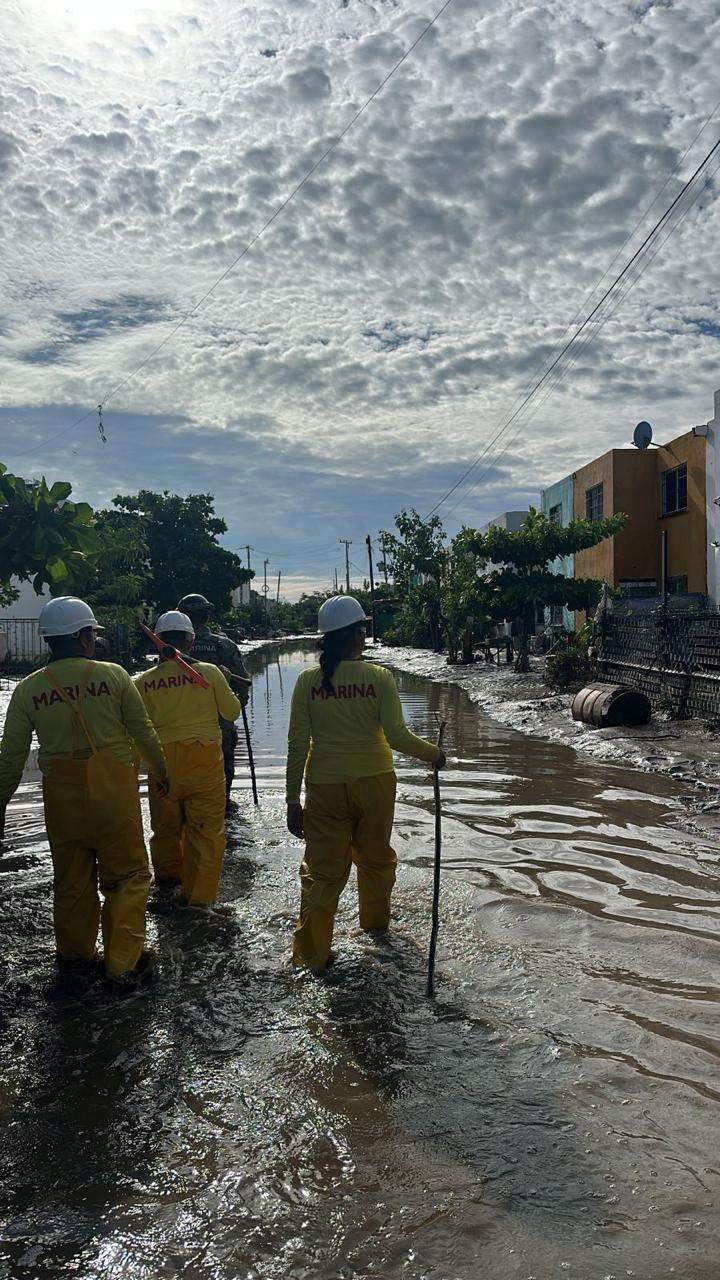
174 620
66 616
338 612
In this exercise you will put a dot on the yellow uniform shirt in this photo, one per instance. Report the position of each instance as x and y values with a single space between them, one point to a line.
181 709
347 734
112 707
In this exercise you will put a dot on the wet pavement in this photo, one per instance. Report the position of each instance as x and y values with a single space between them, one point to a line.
555 1112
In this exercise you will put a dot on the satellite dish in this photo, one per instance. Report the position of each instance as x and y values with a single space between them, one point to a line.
642 435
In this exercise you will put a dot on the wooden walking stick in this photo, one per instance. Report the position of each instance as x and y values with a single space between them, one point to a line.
170 654
430 991
251 759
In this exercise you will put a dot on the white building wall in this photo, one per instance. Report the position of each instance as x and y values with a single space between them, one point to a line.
712 479
28 605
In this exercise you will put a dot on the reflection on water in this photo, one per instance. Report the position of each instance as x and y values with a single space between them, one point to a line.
555 1112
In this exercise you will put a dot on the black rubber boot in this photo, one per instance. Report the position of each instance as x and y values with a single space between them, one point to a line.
140 978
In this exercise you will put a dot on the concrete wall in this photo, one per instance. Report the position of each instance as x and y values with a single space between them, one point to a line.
636 551
28 605
598 562
687 537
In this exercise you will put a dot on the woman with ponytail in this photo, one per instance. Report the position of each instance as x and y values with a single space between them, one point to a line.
346 717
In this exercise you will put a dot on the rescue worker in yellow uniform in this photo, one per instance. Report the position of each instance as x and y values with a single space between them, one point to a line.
215 647
188 824
88 717
345 718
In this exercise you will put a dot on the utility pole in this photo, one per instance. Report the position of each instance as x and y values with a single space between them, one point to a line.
265 586
382 544
372 586
336 582
277 598
348 544
248 549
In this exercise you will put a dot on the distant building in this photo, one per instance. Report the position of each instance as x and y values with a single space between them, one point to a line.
558 504
673 488
712 491
510 520
28 604
20 640
658 489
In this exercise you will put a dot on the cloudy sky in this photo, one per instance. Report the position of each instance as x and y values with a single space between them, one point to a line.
369 347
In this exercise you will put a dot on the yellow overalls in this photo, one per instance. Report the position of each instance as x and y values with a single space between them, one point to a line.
188 840
342 743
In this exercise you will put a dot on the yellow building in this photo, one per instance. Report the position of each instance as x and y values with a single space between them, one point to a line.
658 489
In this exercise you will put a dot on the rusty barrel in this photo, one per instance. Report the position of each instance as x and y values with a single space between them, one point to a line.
605 705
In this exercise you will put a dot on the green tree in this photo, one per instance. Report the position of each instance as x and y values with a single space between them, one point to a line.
183 549
44 537
117 583
252 619
521 579
301 617
417 559
122 570
469 606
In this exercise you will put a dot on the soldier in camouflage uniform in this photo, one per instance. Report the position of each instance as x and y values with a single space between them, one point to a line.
213 646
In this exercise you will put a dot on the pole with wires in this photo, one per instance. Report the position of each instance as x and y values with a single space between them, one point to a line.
348 544
368 541
384 552
430 990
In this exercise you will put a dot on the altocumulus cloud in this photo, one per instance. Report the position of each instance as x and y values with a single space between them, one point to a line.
366 347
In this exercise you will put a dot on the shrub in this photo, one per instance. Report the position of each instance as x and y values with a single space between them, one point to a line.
570 667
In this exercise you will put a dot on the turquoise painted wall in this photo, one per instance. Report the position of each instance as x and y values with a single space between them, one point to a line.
561 494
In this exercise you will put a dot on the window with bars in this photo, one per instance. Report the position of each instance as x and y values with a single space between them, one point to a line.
594 502
555 514
640 588
678 585
674 490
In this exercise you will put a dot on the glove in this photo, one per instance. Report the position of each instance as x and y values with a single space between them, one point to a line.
295 821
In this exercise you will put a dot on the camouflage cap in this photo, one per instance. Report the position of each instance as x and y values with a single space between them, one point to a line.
194 603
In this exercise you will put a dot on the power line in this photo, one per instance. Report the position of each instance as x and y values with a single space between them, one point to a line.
589 297
283 554
599 323
269 221
579 330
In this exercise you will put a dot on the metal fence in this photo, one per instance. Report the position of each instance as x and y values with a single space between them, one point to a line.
673 657
22 649
20 644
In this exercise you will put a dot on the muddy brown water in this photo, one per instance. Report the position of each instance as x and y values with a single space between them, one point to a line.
554 1113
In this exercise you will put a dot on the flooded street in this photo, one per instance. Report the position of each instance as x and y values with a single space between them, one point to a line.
555 1112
